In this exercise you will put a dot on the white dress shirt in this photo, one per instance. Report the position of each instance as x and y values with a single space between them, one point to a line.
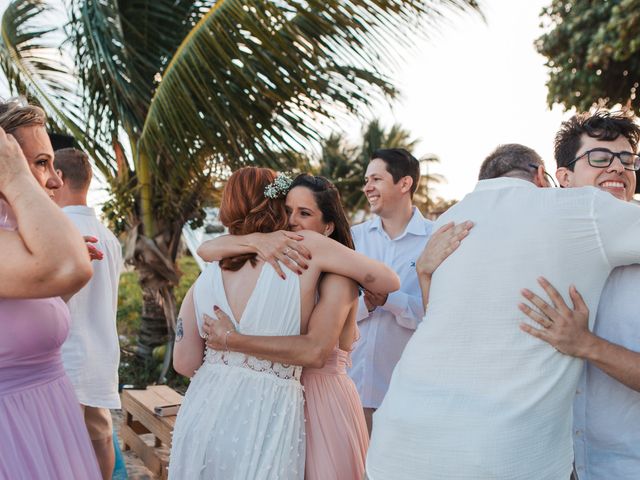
606 413
91 352
474 397
385 332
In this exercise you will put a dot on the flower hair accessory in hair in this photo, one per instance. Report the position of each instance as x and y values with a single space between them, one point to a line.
279 187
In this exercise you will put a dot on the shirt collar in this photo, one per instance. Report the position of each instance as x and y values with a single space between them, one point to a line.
417 224
78 209
503 182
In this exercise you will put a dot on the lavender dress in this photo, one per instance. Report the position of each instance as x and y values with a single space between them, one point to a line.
42 433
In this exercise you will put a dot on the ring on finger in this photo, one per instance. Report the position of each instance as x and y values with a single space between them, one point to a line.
286 251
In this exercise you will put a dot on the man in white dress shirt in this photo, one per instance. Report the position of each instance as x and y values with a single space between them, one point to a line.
474 397
600 150
91 352
396 236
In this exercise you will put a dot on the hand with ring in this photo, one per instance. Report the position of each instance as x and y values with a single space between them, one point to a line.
566 329
283 247
217 330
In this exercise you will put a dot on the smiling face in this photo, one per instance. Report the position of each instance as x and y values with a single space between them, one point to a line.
382 193
614 179
37 149
304 213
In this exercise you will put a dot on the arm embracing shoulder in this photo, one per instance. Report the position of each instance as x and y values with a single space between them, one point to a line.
334 257
337 298
225 246
188 350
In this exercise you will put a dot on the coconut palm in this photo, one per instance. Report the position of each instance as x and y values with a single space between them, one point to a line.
166 94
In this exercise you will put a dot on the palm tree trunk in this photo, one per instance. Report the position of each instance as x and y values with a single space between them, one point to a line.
153 325
154 260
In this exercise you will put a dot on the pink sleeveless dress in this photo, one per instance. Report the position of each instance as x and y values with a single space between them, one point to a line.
42 433
337 437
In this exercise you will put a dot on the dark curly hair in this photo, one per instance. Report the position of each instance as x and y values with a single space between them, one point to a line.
602 125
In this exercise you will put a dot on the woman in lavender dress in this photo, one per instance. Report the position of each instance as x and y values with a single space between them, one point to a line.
42 434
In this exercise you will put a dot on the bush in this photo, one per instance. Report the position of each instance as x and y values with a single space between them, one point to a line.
134 370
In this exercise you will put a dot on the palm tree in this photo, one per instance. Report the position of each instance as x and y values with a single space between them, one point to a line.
346 164
166 94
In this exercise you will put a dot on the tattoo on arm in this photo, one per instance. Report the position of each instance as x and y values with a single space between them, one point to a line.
369 278
179 330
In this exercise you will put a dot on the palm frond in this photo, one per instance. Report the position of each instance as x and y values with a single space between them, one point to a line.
121 48
36 66
261 75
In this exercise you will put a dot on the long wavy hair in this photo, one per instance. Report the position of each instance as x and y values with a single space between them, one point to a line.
244 209
329 203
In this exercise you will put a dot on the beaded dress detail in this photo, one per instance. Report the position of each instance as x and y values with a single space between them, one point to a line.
243 417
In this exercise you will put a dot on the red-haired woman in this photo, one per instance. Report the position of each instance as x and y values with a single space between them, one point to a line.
242 418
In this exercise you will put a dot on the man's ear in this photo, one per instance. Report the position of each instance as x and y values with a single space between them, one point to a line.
563 175
406 183
60 174
539 179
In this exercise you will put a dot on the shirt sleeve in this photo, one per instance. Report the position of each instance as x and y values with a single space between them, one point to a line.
362 310
618 224
407 309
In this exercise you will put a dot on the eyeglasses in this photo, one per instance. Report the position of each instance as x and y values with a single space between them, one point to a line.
603 157
547 175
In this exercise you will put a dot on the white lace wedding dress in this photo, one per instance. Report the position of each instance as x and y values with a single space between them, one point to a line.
242 417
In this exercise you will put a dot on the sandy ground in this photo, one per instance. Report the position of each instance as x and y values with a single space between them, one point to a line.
135 468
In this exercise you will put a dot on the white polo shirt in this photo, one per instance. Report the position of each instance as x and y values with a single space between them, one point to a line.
385 331
91 353
474 397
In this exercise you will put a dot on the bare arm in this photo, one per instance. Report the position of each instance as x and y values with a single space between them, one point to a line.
338 296
46 256
271 247
188 349
616 361
331 256
567 330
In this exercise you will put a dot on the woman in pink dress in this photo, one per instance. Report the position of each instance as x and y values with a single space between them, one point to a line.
336 431
42 433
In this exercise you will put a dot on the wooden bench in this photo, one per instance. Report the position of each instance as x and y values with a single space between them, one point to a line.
139 419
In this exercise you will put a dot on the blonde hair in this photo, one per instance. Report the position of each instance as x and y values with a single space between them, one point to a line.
17 112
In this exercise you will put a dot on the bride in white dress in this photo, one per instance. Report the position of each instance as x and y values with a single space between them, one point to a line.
242 417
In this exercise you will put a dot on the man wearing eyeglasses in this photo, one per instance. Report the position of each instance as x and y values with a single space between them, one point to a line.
472 396
599 150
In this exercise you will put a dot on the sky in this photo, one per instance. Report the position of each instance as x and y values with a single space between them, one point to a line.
471 86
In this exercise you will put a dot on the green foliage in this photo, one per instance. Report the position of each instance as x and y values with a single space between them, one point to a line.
130 294
195 88
133 369
593 52
191 84
141 372
129 304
